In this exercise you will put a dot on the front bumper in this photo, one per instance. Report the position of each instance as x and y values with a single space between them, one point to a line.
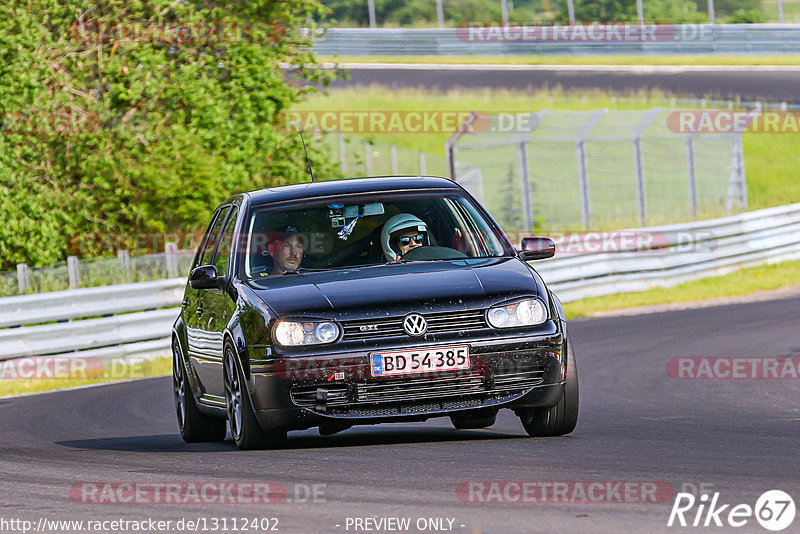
337 389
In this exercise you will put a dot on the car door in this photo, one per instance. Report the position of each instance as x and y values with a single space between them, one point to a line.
205 352
219 308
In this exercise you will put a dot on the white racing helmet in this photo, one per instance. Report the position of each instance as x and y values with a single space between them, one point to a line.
399 223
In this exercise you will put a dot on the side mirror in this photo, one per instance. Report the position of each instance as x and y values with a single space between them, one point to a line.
537 248
204 277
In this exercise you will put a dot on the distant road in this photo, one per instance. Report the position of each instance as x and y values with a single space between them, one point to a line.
778 83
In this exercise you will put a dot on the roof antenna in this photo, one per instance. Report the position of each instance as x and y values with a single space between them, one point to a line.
307 160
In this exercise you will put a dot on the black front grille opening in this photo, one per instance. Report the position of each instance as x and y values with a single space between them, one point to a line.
412 395
307 396
529 377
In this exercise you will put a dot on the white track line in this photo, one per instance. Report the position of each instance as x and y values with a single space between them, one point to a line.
634 69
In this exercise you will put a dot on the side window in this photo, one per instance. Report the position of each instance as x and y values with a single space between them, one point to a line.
224 248
210 241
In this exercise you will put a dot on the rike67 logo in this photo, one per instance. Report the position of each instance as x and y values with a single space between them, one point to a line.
774 510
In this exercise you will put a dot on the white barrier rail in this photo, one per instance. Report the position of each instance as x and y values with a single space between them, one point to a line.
578 39
689 251
696 250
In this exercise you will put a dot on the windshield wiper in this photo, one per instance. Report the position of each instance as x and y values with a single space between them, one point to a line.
301 270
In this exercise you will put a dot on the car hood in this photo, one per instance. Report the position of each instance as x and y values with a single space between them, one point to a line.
388 289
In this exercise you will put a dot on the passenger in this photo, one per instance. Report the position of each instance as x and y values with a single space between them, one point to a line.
286 248
402 233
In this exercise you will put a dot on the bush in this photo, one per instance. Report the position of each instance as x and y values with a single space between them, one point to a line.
105 133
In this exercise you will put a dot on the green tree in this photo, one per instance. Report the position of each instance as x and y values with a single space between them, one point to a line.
126 116
668 11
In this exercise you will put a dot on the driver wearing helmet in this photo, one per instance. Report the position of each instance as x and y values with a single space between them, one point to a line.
402 233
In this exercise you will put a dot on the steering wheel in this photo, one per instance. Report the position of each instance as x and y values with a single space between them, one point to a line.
433 253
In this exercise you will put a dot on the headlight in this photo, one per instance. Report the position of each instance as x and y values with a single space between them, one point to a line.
528 312
294 333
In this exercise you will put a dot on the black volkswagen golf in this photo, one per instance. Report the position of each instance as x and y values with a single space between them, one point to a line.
362 301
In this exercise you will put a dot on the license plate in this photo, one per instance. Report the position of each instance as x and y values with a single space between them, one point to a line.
419 361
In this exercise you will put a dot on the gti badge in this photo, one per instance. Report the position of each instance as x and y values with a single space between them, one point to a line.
415 325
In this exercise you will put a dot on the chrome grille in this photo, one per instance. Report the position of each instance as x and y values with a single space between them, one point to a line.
457 321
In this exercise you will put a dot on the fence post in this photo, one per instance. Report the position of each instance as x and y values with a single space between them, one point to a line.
124 258
742 176
584 183
583 174
342 154
393 152
371 10
692 175
74 271
22 277
525 185
737 188
367 157
170 253
640 192
422 164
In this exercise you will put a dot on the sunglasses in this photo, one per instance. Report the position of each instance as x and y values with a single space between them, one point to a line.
418 239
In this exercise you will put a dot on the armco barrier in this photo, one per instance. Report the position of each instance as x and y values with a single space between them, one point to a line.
689 251
92 323
696 250
668 39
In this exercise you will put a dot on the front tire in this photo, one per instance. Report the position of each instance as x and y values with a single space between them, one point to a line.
560 419
195 427
245 428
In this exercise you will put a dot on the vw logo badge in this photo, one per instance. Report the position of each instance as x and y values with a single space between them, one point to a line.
415 325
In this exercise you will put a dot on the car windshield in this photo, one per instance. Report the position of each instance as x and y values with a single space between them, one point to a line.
363 231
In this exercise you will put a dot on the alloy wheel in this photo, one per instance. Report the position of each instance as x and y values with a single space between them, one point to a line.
233 395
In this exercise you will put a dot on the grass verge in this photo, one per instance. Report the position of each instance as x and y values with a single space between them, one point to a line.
108 373
600 59
743 282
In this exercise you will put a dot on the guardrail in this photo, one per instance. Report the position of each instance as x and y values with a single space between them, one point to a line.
672 254
686 252
92 323
661 39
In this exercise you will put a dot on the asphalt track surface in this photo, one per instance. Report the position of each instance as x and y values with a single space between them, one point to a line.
636 424
747 83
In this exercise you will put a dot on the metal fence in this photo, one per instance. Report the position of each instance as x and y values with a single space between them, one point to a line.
569 170
76 273
664 39
359 156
